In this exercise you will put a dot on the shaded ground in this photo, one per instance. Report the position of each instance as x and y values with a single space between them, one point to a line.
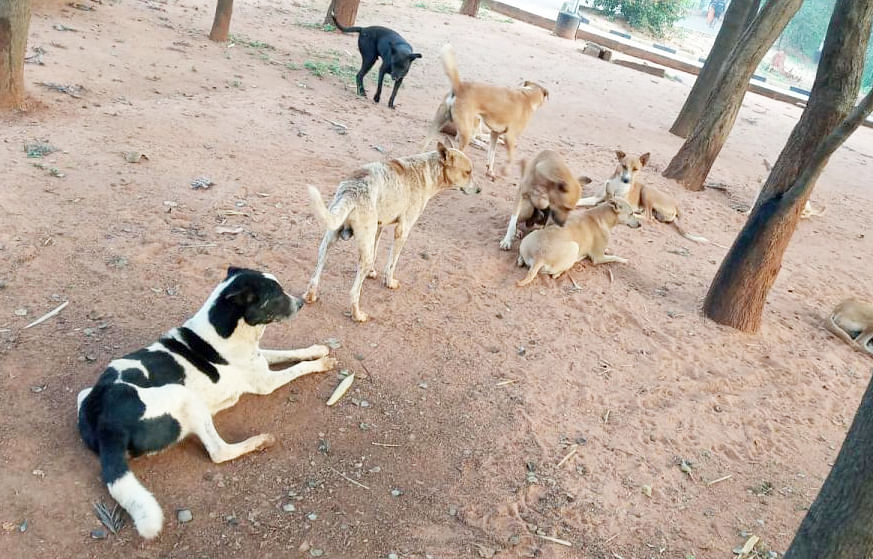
624 367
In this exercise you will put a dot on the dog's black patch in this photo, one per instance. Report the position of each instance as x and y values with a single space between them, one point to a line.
161 367
250 296
111 424
346 233
539 218
196 351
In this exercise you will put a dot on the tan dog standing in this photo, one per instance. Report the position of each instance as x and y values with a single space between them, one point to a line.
554 250
505 111
852 322
656 205
548 188
380 194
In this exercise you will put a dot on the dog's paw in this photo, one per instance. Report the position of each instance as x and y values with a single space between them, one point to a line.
391 283
265 441
621 260
360 316
311 295
506 244
377 98
318 351
372 274
327 363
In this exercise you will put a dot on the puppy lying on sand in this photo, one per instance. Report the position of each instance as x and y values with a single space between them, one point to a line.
852 322
554 250
381 194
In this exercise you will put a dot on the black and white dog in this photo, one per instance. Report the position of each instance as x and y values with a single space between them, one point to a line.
380 42
151 399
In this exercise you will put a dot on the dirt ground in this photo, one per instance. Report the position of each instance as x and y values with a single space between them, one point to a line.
470 391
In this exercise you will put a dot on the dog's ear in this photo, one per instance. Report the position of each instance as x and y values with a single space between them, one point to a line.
644 158
584 180
233 270
615 205
621 155
242 294
414 55
561 185
443 151
545 93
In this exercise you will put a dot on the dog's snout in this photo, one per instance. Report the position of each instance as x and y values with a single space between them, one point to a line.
625 179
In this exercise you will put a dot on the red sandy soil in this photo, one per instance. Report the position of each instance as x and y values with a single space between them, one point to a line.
625 366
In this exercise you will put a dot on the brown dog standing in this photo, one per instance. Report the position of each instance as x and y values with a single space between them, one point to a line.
548 188
505 111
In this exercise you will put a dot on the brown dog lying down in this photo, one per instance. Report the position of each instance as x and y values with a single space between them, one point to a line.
852 322
654 203
547 189
379 194
554 250
506 111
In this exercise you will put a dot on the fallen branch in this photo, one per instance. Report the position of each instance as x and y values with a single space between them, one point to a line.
47 315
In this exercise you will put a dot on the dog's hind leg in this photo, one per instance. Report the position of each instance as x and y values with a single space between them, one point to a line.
366 243
367 62
401 233
492 153
531 274
509 140
329 238
373 273
199 421
274 356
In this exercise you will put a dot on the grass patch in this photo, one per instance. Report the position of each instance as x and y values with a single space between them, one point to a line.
251 43
439 8
38 148
322 68
326 27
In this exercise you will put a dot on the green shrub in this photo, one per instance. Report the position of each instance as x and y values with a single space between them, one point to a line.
656 16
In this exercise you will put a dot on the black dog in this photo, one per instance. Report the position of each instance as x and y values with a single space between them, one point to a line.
381 42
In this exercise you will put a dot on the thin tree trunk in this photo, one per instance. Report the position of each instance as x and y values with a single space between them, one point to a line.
737 295
692 163
738 16
837 525
346 12
221 23
14 26
470 8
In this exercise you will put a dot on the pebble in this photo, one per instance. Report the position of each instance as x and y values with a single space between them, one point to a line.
311 516
393 556
98 534
304 547
289 507
522 351
3 284
365 404
375 470
453 511
422 385
184 515
396 492
315 552
20 312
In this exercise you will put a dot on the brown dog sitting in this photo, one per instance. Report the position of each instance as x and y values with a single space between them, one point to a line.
506 111
547 189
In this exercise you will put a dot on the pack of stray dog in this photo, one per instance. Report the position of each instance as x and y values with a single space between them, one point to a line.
149 400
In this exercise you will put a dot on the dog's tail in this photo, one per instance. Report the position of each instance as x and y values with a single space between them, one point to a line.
687 235
139 503
451 67
333 220
344 29
811 211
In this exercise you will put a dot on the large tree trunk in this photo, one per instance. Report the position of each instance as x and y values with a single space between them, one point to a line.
14 25
346 12
696 156
470 8
737 18
221 23
837 525
738 292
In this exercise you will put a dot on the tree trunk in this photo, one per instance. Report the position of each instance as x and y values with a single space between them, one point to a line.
221 23
737 295
14 25
470 8
737 18
695 158
346 12
837 525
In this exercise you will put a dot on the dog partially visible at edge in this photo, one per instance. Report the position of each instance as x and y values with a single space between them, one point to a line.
381 194
553 250
149 400
655 204
506 111
547 190
380 42
852 322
